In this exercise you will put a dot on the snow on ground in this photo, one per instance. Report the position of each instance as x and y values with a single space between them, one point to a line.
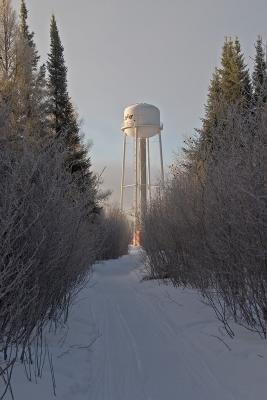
132 340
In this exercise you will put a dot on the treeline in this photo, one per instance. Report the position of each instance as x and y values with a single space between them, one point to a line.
52 226
208 229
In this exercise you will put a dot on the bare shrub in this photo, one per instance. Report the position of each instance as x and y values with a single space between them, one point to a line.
48 242
208 231
116 234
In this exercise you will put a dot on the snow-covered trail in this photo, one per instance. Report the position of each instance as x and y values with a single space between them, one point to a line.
160 343
146 355
133 340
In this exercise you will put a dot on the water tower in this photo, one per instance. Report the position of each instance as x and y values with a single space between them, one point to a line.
140 123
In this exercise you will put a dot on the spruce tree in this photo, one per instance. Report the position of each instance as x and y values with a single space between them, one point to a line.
57 82
26 34
235 79
198 147
31 82
228 72
64 120
213 104
259 76
243 75
230 85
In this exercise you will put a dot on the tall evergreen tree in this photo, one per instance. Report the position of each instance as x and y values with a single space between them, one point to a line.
228 72
230 85
197 148
243 75
64 121
213 104
235 79
26 34
57 82
31 82
259 75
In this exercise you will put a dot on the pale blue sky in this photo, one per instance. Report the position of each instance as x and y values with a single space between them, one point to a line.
162 52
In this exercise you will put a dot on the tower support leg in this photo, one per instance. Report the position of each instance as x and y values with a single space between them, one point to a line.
149 173
143 180
123 172
136 189
161 160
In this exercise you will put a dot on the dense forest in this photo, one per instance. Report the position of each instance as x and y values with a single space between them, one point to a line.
208 229
52 224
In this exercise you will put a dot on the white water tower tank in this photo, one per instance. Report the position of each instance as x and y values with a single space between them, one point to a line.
143 117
